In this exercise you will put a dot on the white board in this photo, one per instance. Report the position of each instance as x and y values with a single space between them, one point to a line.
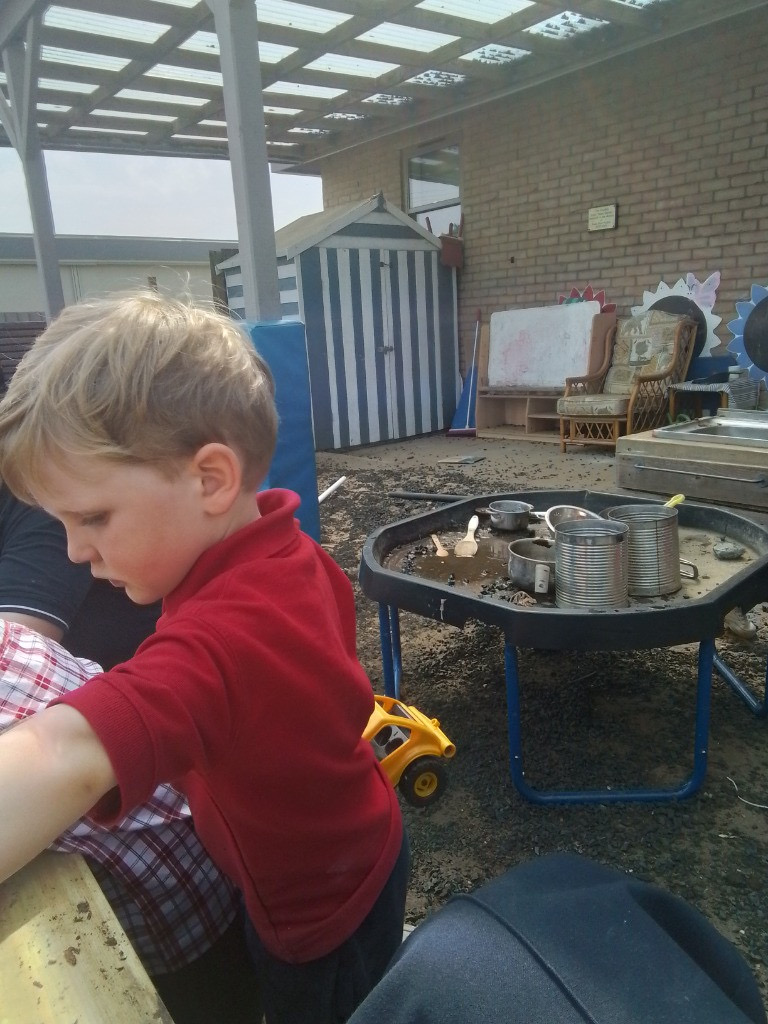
540 347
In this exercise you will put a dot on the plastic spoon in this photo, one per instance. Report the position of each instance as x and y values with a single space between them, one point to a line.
467 546
440 551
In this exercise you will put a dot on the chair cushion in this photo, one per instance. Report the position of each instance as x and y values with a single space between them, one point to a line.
579 406
644 344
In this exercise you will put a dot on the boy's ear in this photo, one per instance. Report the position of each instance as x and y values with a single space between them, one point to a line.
218 469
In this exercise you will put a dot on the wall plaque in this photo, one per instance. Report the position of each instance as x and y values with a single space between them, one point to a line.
601 218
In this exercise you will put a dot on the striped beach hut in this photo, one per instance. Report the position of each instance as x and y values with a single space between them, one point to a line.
379 310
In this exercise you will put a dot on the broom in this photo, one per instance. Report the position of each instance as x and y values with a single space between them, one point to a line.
464 426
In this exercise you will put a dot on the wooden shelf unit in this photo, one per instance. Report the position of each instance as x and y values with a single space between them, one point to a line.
530 411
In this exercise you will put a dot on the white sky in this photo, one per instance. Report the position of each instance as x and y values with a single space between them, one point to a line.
103 194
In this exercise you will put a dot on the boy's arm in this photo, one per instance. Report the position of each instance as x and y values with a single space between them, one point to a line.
53 769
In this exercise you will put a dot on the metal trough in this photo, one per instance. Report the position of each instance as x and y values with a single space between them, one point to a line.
728 426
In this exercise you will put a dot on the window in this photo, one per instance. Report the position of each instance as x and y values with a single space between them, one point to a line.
433 192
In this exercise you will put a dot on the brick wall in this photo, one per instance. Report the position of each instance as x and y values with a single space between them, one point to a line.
676 134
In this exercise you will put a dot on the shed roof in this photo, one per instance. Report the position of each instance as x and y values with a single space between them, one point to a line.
304 232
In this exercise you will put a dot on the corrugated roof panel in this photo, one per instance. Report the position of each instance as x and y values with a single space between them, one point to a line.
286 111
208 42
407 38
437 79
79 58
145 95
177 74
337 63
134 115
199 138
108 25
486 11
388 99
563 26
495 53
310 131
299 89
300 16
57 85
176 3
106 131
638 3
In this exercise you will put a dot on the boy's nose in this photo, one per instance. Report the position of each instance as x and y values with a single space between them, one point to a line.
80 550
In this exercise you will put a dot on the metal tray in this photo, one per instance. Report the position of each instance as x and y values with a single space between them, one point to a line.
728 426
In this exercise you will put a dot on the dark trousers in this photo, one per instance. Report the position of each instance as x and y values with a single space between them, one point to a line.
327 991
220 986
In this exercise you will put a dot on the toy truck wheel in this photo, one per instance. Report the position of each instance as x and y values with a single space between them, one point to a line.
423 781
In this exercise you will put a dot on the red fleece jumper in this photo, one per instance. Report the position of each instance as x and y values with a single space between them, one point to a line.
250 699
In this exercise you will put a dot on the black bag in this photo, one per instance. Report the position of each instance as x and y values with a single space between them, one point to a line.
563 940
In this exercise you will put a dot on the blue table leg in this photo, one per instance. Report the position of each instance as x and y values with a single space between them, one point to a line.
391 659
686 788
758 706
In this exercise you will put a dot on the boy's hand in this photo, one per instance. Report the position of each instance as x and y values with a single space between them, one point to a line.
53 769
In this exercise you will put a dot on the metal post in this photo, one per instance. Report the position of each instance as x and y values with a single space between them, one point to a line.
237 30
20 58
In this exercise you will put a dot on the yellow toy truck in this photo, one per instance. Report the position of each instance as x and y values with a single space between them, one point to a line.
411 749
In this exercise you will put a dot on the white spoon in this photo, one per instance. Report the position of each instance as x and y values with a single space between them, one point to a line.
440 551
467 546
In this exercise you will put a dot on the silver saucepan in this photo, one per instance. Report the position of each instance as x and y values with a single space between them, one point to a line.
509 515
531 564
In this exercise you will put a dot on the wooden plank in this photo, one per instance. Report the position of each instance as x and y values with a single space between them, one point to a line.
63 955
509 432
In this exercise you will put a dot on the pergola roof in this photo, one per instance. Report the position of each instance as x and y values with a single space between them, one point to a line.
144 76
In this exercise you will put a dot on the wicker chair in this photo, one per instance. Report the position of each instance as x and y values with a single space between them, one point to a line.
629 393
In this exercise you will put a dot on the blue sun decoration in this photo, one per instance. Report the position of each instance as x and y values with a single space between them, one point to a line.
750 334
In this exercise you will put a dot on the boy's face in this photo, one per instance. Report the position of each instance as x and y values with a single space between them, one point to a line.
139 529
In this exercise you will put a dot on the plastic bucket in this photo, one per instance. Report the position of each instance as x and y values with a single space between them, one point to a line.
592 564
654 549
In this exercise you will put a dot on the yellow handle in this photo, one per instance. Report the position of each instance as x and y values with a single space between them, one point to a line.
676 499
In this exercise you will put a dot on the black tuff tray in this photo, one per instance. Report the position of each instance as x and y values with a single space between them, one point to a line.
638 626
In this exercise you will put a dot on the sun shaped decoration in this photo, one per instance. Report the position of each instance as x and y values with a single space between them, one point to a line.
750 334
587 294
693 298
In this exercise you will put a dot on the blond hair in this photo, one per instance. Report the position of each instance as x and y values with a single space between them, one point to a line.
138 378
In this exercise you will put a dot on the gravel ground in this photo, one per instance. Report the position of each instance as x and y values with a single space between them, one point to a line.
589 719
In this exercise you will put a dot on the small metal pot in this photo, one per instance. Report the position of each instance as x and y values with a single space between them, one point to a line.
510 515
531 564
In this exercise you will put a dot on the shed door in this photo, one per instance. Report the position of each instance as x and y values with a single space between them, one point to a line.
381 341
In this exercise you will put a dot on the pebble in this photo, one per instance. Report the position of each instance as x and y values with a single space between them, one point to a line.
727 550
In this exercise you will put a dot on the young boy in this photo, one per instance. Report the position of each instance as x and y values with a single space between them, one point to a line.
146 427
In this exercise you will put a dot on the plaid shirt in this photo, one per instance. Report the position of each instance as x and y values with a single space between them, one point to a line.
171 900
